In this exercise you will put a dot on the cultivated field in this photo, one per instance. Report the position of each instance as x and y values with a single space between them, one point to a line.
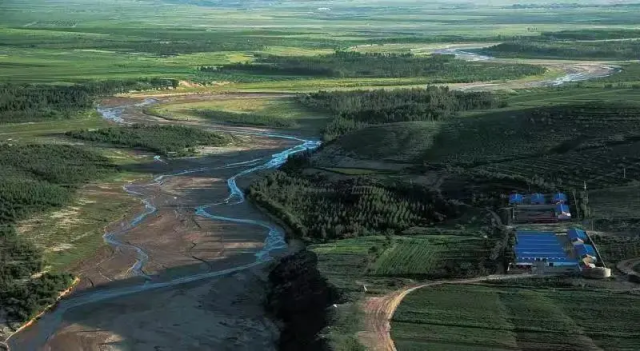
433 257
485 317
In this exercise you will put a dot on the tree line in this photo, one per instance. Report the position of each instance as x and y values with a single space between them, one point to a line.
352 64
593 34
37 102
33 179
601 50
166 140
319 209
353 110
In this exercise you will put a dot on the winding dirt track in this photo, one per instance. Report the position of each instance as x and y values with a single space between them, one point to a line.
628 266
379 310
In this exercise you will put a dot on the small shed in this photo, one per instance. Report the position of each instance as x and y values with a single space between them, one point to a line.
515 199
559 198
563 212
537 199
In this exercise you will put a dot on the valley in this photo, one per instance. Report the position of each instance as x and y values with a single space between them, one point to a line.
248 177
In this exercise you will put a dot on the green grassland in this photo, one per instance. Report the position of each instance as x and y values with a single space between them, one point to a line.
357 219
47 41
73 233
395 142
260 110
485 317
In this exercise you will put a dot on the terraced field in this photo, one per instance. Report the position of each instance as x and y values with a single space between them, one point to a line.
377 260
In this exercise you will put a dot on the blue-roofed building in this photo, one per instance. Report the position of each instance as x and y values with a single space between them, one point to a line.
563 212
515 199
534 247
537 199
586 251
559 198
577 236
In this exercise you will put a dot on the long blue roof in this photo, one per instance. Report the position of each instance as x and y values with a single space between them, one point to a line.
532 246
557 197
515 198
537 198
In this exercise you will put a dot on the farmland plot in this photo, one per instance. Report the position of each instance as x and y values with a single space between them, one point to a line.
434 256
502 318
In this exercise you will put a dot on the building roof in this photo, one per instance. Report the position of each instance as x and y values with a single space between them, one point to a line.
575 233
515 198
537 198
538 246
585 250
558 197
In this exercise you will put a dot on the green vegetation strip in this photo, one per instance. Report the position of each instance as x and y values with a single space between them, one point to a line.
350 64
358 109
29 103
600 50
164 140
250 119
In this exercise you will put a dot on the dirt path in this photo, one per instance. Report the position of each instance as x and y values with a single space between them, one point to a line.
379 310
628 266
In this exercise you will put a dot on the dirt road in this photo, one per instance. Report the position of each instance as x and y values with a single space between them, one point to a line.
379 311
628 266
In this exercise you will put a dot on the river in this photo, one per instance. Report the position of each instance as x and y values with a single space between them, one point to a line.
48 325
573 72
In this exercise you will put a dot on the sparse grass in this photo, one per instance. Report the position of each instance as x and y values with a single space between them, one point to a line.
38 131
75 232
274 111
455 317
346 261
353 171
